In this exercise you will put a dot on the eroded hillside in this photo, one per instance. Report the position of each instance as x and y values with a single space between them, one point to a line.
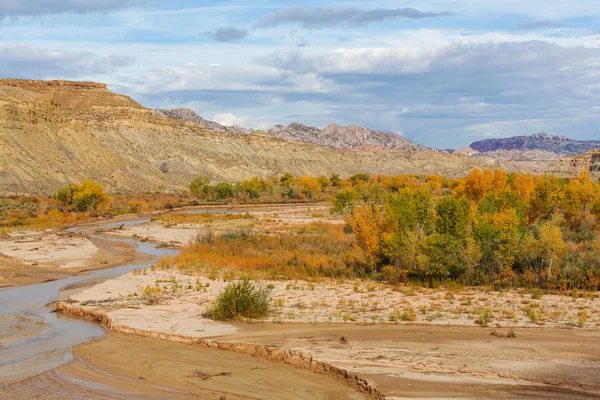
570 166
58 132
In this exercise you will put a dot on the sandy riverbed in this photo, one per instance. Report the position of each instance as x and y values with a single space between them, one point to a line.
409 342
265 219
17 329
421 361
448 354
122 366
32 257
344 302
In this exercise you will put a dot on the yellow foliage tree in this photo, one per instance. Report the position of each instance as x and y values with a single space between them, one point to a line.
367 224
478 183
524 186
578 197
552 244
310 187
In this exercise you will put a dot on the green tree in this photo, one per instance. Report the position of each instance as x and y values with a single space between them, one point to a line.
445 257
343 202
249 189
324 182
552 244
335 180
360 178
224 190
200 187
596 209
452 217
287 178
545 199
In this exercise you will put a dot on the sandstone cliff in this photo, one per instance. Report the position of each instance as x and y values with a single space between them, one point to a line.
54 133
572 166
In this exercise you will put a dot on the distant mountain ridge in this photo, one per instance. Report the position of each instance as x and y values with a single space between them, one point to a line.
187 114
333 135
54 133
350 136
559 145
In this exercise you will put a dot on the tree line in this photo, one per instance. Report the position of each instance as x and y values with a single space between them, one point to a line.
489 227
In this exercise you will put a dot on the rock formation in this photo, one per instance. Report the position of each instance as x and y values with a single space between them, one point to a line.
573 166
333 135
55 133
559 145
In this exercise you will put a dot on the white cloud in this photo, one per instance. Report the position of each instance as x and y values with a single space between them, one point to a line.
20 61
248 78
229 119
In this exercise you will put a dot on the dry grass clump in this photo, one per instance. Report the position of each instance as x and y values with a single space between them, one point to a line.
315 250
172 219
151 295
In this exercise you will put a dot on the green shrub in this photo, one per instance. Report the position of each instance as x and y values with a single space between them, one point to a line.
242 299
408 316
485 317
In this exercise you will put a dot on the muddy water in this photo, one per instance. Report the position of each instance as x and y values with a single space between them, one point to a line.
51 348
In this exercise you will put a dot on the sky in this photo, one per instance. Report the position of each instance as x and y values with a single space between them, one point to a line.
440 72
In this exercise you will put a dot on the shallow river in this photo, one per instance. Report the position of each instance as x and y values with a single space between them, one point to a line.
53 348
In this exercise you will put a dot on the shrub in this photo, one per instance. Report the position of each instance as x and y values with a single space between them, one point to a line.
343 202
242 299
408 316
151 295
484 318
87 197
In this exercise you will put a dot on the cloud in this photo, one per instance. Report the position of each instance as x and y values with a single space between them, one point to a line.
439 94
228 34
19 61
251 78
534 25
534 60
447 94
229 119
36 8
360 61
316 18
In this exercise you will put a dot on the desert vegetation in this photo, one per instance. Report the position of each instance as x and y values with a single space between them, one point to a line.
81 202
489 228
242 299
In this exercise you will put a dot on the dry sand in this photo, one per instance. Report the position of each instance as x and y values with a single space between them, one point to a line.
156 232
17 329
448 356
50 250
420 361
266 219
351 301
32 257
121 366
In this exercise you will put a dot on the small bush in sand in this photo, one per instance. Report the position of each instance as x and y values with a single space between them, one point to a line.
408 316
151 295
242 299
484 318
